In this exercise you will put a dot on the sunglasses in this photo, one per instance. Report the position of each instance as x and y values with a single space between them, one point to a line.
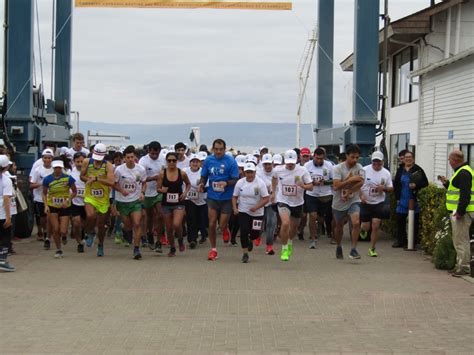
171 160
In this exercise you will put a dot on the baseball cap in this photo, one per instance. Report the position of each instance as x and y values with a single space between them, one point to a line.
267 158
263 147
4 161
202 155
250 167
99 151
193 157
305 151
240 160
252 159
291 157
277 159
47 152
63 150
58 164
377 155
256 152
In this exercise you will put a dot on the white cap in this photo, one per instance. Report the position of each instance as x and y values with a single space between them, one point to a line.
263 147
58 164
250 167
202 155
63 150
229 153
267 158
240 160
252 159
48 152
4 161
377 155
256 152
277 159
291 157
193 157
99 151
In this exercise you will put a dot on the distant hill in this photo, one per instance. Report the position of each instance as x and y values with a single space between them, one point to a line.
239 135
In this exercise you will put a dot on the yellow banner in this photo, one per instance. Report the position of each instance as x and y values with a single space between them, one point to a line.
189 4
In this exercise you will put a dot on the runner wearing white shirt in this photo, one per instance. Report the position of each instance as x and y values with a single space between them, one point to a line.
183 161
318 201
6 194
77 146
152 203
196 207
378 181
78 211
288 185
130 184
270 215
36 184
252 194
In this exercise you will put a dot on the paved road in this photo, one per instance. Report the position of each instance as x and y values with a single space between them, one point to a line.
397 303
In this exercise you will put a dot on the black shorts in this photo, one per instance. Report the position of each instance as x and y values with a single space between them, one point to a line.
221 206
368 212
78 211
321 205
62 212
295 212
39 209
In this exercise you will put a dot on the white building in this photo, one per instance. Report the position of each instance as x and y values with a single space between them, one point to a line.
431 84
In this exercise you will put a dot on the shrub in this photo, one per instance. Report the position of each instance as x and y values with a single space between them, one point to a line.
444 254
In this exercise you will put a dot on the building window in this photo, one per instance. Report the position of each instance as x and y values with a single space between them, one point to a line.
398 142
403 63
468 150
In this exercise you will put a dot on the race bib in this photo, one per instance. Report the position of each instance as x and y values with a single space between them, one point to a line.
58 201
130 186
373 192
80 192
318 178
289 190
257 224
98 193
193 195
172 198
217 187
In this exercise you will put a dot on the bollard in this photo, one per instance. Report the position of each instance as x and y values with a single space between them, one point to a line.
411 225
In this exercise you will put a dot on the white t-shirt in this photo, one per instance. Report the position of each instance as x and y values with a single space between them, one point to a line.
372 179
70 152
287 190
130 180
35 166
183 164
152 168
342 172
13 179
38 175
249 194
196 197
6 189
320 173
80 186
267 179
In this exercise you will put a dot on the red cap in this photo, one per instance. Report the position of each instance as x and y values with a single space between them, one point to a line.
305 151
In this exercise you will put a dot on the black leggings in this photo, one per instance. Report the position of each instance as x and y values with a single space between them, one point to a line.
5 240
195 220
402 228
247 233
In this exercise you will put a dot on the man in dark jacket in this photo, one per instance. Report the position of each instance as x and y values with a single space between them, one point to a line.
409 180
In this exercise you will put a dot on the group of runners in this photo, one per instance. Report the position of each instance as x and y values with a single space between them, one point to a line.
180 199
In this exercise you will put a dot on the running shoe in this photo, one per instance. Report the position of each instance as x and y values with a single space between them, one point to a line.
212 255
258 241
118 239
39 237
144 241
172 252
202 240
269 250
339 254
100 250
333 241
80 248
373 252
5 266
284 255
164 240
64 239
136 254
90 239
233 241
226 235
151 239
58 254
312 245
300 236
245 258
290 249
192 245
363 234
354 254
182 247
47 244
158 248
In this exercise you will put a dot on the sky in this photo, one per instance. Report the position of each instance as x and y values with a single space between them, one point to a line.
182 66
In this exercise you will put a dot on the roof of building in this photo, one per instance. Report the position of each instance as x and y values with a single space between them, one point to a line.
406 30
